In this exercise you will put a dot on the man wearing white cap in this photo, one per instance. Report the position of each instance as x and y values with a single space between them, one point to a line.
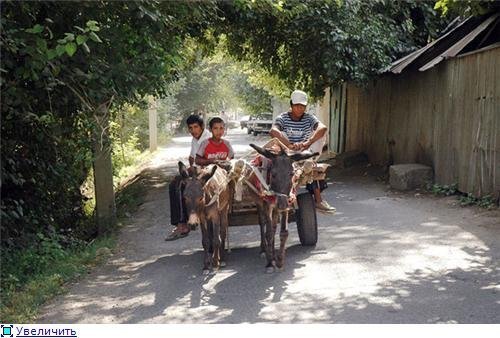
300 131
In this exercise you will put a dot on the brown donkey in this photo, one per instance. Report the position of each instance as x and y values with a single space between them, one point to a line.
206 194
277 202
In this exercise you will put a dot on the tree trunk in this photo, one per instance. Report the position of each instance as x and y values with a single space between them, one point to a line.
103 173
153 129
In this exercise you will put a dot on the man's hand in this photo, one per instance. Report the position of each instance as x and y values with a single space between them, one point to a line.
301 146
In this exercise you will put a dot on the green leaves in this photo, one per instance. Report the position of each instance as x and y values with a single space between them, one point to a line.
80 39
92 25
60 49
464 7
86 47
35 30
70 48
51 54
94 37
314 44
51 87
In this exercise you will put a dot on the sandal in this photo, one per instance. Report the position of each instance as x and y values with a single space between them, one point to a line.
177 234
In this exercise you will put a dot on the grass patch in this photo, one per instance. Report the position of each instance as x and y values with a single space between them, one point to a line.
130 167
130 197
33 276
23 295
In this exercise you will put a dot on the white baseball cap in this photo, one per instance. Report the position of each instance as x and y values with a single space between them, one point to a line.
299 97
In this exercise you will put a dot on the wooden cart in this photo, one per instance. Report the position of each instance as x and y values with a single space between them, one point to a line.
244 212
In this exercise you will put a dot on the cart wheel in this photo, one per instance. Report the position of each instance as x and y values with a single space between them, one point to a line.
307 224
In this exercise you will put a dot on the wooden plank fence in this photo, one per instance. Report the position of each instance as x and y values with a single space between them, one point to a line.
447 117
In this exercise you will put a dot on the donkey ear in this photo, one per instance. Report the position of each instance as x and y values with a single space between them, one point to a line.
262 151
303 156
209 175
195 171
183 170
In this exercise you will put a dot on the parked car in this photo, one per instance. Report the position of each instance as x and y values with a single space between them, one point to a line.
244 120
260 124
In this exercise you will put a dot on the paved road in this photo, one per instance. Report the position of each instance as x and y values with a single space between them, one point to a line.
383 258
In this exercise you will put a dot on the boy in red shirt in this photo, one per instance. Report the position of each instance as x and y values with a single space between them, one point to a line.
215 148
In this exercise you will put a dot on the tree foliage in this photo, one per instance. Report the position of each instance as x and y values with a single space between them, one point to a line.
213 83
60 62
465 7
314 44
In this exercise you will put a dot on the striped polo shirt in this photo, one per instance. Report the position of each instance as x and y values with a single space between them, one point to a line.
297 131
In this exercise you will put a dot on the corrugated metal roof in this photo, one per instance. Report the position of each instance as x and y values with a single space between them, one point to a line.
451 44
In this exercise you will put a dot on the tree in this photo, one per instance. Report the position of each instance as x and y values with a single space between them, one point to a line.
214 83
63 66
315 44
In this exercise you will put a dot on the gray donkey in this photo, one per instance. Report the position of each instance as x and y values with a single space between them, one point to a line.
277 202
206 194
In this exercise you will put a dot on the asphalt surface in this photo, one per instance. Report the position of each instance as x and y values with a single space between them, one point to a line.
385 257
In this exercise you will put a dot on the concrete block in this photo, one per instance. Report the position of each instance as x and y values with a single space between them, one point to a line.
409 176
350 158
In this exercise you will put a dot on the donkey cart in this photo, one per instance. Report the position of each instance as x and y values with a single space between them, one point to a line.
243 210
304 215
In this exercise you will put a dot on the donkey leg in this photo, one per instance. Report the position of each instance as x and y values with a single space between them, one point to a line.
283 238
216 242
205 241
224 228
262 225
210 230
270 253
275 220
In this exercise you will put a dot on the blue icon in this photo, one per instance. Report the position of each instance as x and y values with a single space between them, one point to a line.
7 330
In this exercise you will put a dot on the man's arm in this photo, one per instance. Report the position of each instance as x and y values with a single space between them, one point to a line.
276 132
191 161
318 133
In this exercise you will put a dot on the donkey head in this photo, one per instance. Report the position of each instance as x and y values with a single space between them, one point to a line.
193 193
282 171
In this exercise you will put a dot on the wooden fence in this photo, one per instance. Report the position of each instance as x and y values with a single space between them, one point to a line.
447 117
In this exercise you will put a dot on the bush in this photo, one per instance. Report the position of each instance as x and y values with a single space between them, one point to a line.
486 202
446 190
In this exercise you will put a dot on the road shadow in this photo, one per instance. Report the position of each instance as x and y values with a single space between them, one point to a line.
234 294
240 293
